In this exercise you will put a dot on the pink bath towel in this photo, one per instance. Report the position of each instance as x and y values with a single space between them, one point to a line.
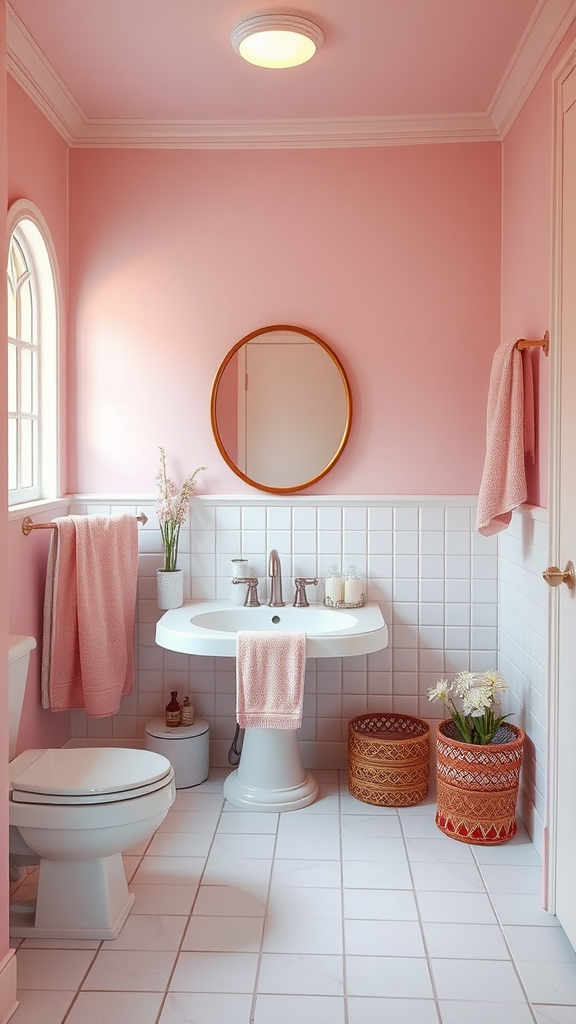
503 485
270 679
89 605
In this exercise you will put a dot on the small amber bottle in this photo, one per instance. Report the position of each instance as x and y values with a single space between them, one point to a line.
187 712
173 711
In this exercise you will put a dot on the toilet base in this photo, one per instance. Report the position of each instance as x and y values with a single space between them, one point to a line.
270 776
76 900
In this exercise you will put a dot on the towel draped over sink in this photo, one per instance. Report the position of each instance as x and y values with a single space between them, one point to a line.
270 679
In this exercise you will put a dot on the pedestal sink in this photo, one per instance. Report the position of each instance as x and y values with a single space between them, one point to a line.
271 776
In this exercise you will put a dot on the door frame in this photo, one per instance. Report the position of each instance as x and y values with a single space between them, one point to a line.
551 826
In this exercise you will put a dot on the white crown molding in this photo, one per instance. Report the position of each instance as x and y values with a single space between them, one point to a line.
317 133
28 65
545 30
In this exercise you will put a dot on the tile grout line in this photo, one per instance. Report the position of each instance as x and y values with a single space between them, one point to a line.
504 937
421 923
342 907
189 917
264 926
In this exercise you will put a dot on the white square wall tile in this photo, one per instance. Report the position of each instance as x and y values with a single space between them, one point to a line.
253 517
432 518
355 518
228 517
279 517
458 518
329 518
304 542
379 518
304 517
405 518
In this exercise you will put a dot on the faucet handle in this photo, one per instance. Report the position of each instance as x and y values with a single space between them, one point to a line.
251 599
300 583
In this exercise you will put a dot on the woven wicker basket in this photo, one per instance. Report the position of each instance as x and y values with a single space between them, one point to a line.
388 759
478 785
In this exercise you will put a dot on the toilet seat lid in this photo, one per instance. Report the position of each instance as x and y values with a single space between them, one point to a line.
91 774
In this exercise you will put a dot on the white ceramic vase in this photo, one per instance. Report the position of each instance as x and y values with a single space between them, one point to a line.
170 588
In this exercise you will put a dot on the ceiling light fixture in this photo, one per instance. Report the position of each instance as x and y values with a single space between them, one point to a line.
276 40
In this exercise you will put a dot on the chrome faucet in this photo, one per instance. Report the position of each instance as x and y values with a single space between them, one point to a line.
275 574
251 599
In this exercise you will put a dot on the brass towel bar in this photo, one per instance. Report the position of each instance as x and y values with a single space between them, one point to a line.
541 342
28 525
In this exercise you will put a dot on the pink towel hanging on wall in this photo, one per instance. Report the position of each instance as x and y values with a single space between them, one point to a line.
89 609
503 485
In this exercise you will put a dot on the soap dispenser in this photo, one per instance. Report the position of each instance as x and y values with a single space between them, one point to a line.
334 586
353 587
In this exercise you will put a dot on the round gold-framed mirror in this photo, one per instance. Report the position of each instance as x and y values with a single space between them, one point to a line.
281 408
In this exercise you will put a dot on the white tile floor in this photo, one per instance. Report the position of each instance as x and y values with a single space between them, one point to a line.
340 913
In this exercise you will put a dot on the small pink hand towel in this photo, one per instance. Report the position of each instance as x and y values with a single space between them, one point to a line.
270 679
88 645
503 485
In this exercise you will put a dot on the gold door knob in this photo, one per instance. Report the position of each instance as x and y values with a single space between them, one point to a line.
555 576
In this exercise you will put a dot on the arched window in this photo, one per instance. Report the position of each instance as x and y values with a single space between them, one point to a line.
32 357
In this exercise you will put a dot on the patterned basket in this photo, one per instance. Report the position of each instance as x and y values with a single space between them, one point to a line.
388 759
478 785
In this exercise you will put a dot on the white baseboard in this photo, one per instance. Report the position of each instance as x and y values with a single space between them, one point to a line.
8 1000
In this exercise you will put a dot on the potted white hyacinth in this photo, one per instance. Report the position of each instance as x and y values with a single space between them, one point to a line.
172 509
479 756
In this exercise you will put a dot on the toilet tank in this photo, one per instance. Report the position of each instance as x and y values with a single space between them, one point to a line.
19 648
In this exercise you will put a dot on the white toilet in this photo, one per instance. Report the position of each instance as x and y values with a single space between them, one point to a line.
74 811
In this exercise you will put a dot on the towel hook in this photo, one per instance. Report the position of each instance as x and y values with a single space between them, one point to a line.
543 343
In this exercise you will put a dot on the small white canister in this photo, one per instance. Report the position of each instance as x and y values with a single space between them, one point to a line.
240 571
187 749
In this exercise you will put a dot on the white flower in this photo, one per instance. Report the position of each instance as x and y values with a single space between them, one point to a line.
495 681
440 692
463 682
477 700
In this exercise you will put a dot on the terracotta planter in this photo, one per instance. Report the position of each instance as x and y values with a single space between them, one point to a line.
478 785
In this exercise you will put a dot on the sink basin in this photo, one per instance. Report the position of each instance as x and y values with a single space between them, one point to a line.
210 628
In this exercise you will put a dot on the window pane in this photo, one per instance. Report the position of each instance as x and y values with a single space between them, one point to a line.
27 453
12 379
25 296
27 381
11 311
17 259
12 455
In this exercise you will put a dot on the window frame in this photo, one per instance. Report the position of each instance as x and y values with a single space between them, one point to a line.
27 224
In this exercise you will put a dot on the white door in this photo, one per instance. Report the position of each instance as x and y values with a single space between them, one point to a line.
562 727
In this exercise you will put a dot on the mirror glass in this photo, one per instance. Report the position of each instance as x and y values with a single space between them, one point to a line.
281 408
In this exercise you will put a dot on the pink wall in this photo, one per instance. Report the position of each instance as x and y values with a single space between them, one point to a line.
4 538
527 246
37 170
391 255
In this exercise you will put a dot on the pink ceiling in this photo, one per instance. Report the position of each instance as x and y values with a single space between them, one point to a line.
173 60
